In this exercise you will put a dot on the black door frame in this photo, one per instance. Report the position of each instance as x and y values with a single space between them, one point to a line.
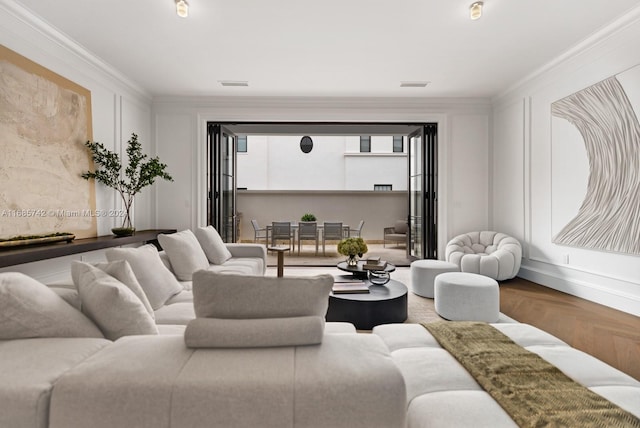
430 171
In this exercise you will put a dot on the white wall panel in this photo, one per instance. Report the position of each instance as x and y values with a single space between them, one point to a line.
508 171
176 203
607 278
469 163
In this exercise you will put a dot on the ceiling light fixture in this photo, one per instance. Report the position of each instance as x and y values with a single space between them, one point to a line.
182 8
475 10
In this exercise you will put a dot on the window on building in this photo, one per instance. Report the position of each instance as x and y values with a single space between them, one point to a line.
383 187
365 143
242 144
398 144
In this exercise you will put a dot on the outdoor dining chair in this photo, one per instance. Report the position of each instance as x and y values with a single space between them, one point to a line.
357 232
307 231
282 231
331 232
259 232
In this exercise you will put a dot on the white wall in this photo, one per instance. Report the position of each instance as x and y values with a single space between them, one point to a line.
522 172
463 133
118 108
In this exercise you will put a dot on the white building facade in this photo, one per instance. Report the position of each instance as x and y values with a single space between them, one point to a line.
334 163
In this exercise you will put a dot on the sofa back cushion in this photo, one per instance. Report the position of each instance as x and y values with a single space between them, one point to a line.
111 304
158 283
219 295
184 252
30 309
213 245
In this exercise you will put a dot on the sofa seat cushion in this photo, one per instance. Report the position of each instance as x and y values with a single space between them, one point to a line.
168 329
245 266
28 370
177 313
441 393
166 384
185 296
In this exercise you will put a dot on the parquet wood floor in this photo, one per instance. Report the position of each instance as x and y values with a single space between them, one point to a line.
608 334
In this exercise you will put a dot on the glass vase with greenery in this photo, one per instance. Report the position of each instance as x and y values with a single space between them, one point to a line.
352 248
140 172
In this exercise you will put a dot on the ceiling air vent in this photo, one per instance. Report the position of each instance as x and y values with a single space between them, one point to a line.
413 84
234 83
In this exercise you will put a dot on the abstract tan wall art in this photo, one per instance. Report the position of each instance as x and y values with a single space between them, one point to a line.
44 121
605 171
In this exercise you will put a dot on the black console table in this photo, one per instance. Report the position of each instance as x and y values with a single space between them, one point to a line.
11 257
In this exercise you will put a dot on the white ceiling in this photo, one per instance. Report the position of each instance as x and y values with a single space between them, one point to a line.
329 47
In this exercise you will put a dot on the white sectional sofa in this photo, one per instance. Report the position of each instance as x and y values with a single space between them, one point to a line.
238 350
56 369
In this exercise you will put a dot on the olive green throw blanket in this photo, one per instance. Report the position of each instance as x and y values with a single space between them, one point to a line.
532 391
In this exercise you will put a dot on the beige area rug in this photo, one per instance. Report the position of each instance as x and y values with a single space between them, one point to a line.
419 309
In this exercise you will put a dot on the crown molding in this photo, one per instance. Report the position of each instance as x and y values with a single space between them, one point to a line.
628 19
30 19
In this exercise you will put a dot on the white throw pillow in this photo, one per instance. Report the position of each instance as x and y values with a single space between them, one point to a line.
156 280
120 270
111 304
185 253
212 244
29 309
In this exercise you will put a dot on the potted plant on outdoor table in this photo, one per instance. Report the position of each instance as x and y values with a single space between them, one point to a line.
308 217
352 248
138 174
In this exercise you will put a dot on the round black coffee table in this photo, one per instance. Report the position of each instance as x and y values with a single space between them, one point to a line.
384 304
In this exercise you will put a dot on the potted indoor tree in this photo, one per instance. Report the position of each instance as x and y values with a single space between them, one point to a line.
139 173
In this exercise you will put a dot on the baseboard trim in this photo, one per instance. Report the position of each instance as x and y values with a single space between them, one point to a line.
585 290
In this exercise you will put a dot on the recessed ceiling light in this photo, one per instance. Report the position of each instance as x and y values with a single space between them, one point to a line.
182 8
475 10
234 82
413 84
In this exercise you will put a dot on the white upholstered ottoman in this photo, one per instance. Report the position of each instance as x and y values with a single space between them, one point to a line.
424 272
463 296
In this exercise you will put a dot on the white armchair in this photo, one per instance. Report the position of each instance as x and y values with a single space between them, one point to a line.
487 253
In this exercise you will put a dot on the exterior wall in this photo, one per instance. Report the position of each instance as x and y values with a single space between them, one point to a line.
277 163
522 172
118 107
377 209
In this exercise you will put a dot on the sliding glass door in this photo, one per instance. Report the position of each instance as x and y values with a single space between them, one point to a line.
423 186
221 204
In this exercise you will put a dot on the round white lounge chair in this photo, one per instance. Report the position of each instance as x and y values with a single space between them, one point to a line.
488 253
